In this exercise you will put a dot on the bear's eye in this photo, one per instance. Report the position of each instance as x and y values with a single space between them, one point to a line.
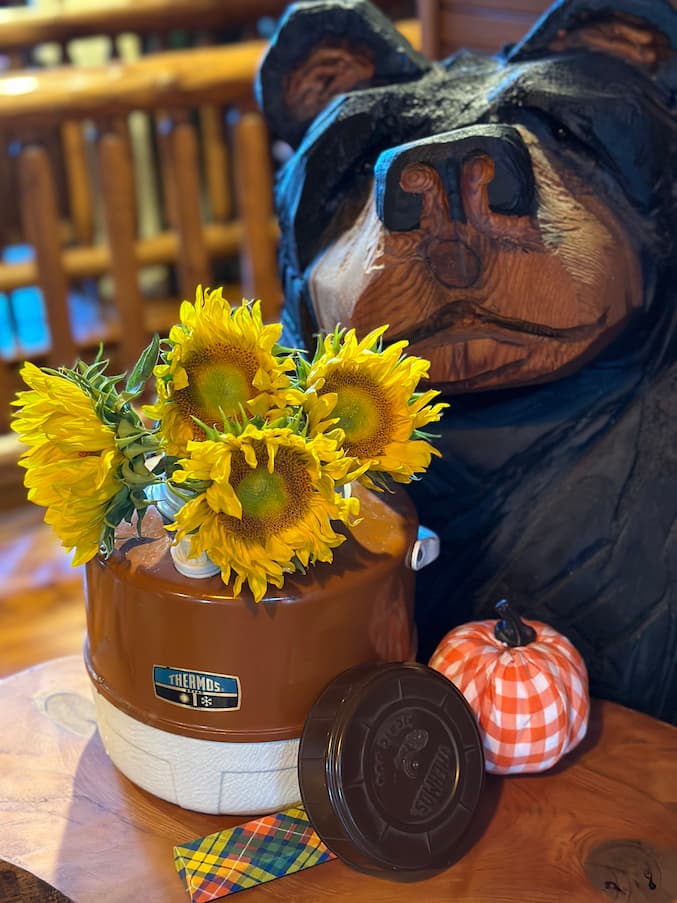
561 132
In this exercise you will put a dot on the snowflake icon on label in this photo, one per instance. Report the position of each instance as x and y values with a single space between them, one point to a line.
206 700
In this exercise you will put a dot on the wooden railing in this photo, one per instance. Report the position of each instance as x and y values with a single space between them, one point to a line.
22 29
186 94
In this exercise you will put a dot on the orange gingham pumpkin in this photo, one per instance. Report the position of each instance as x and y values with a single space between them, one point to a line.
527 685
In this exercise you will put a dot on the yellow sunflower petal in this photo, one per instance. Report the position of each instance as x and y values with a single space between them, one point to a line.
71 461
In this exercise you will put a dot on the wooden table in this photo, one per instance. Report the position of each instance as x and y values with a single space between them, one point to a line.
68 816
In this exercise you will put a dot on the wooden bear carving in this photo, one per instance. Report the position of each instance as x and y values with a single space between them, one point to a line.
514 218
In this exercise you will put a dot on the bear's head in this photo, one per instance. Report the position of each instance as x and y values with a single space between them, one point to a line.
507 215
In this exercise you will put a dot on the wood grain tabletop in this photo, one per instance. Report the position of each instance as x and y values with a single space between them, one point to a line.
600 825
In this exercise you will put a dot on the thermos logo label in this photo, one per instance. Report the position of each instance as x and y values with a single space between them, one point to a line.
196 689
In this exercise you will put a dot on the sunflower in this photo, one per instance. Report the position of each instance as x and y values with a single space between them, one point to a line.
368 392
221 361
72 461
265 504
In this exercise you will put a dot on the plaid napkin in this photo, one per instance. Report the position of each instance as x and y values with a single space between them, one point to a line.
250 854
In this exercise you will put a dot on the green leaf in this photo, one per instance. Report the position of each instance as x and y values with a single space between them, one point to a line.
127 429
117 508
107 543
165 463
143 368
136 474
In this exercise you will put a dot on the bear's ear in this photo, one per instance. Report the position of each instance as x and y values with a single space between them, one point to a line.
326 48
641 32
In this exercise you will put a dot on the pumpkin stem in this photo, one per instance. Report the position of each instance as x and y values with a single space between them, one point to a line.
511 629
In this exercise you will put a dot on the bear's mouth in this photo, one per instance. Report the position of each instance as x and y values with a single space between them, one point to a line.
481 346
462 315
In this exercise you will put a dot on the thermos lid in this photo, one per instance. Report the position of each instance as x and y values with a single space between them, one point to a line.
391 767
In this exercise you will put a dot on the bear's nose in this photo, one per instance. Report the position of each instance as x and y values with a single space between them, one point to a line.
493 157
448 255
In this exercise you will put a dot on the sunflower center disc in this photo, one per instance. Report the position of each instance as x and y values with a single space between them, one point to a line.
220 384
263 495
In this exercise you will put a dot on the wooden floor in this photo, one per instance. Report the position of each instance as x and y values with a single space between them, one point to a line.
42 613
